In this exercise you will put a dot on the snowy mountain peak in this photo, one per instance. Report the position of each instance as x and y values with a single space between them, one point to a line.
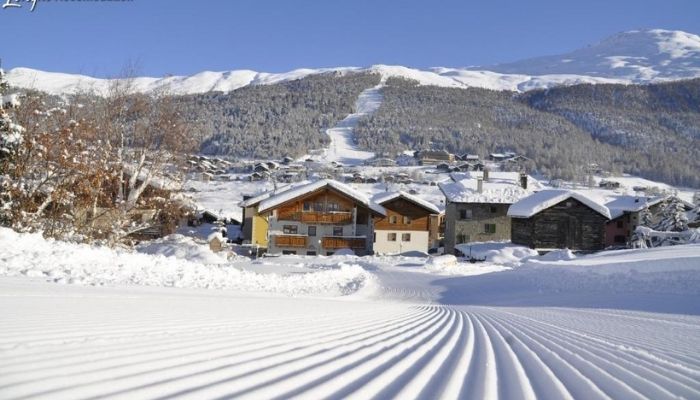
637 56
628 57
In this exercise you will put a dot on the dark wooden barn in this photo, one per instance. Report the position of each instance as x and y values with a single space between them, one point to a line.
557 219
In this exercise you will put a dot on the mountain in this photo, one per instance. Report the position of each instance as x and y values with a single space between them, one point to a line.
629 57
204 82
637 56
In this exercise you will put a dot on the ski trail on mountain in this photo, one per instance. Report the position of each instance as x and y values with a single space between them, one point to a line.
343 148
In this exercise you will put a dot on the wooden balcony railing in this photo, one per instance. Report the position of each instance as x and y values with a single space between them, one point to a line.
289 241
326 218
332 242
315 217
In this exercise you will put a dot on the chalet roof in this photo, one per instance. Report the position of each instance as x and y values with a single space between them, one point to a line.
500 188
262 196
302 190
544 199
618 205
383 198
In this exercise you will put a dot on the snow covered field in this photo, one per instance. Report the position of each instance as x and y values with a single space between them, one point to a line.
622 324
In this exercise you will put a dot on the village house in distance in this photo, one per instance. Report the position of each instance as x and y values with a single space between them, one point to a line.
317 218
410 224
477 204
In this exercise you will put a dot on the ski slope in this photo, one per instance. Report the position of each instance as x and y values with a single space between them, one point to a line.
342 147
615 325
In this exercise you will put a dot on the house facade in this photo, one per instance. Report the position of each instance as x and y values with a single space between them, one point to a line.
476 206
317 218
557 219
410 224
625 213
432 157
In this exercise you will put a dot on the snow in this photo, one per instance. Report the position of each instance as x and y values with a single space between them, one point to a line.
385 197
633 56
628 57
161 264
501 187
502 253
618 324
288 195
342 147
544 199
223 197
182 247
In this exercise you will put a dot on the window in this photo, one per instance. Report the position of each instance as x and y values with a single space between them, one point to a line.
318 206
489 228
406 220
337 231
310 253
465 214
312 230
391 237
332 207
329 253
290 229
307 206
289 252
392 219
374 237
405 237
620 239
462 238
619 224
494 209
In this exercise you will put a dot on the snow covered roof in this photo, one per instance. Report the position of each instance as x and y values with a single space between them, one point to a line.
544 199
257 199
291 194
385 197
618 205
501 188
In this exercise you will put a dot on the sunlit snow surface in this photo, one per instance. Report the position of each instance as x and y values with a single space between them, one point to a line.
615 325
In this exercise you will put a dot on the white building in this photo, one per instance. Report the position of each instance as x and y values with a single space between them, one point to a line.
410 224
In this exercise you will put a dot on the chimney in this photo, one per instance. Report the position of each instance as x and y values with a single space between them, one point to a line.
523 180
486 174
479 185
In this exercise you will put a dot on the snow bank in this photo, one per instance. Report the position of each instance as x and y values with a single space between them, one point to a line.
557 255
502 253
658 280
31 255
182 247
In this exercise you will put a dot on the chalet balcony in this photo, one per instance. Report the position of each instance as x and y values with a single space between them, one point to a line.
315 217
290 241
335 242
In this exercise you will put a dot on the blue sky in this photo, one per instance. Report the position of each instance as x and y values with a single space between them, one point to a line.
187 36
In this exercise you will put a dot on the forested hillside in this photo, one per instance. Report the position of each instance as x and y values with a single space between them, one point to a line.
650 130
270 121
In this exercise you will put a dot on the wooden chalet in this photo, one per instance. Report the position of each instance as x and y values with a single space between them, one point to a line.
410 224
317 218
557 219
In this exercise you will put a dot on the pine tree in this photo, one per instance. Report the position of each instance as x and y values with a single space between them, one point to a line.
645 217
10 133
10 139
696 209
673 216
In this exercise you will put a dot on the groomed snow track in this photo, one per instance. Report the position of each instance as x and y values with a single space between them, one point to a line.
135 349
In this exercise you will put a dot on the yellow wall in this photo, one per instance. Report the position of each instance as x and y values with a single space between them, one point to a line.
259 230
